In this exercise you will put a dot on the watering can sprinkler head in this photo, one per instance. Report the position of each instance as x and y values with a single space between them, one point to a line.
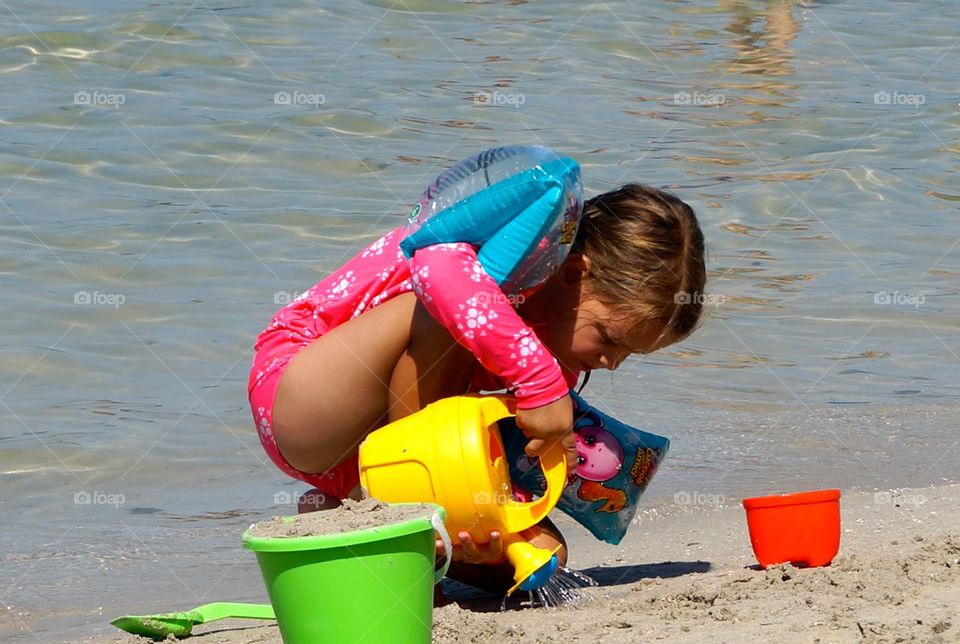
532 566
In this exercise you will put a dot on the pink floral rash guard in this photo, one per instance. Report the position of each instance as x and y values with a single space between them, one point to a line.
456 291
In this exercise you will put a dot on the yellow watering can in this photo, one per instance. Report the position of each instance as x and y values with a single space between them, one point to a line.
451 453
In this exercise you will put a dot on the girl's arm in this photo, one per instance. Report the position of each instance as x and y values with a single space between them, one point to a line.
459 294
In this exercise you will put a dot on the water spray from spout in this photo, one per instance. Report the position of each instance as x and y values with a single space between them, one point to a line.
564 588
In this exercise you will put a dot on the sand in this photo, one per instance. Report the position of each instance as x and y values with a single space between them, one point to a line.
352 515
686 574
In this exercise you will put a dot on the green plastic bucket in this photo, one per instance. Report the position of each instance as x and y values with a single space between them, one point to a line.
371 585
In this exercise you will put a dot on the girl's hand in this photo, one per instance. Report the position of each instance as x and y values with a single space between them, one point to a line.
471 552
547 424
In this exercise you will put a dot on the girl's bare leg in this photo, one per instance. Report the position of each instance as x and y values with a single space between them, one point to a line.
335 391
434 366
428 366
384 364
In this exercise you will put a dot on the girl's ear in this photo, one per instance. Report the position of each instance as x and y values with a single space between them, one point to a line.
575 268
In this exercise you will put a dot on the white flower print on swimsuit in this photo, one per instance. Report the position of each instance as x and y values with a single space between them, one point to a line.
263 427
341 288
476 317
376 248
524 350
418 280
476 271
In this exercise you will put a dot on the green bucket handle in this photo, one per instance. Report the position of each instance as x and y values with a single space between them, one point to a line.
441 529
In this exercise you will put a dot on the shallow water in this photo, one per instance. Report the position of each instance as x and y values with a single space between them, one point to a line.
170 174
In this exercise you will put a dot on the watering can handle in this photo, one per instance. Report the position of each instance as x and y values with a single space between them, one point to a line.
441 529
520 516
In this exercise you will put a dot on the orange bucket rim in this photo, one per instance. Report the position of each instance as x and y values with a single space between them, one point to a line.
794 498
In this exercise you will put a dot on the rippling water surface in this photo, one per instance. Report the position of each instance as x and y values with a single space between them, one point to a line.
171 173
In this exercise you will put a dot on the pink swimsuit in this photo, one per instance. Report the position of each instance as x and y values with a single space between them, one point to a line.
456 291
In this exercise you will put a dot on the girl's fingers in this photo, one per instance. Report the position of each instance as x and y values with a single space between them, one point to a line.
495 549
534 447
471 553
490 552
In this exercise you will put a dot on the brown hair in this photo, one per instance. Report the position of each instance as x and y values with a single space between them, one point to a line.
646 252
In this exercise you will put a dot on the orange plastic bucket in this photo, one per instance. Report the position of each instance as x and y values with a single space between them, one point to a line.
801 528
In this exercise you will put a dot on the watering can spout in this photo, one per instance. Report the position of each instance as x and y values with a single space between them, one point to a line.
532 566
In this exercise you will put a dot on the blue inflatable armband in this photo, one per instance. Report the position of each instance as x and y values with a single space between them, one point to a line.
520 205
616 464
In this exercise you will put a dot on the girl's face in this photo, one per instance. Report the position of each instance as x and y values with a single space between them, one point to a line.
591 336
581 331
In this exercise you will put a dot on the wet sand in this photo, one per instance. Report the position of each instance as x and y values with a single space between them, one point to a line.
687 574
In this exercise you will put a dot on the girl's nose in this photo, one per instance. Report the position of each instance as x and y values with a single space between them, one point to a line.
610 360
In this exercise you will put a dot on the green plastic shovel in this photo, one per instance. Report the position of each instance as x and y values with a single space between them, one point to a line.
181 624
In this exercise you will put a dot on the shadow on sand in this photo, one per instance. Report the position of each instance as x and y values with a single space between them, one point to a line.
469 598
628 574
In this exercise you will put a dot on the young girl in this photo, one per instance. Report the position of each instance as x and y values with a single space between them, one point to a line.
384 336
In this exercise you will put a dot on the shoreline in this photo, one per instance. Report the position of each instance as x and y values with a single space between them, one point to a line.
687 573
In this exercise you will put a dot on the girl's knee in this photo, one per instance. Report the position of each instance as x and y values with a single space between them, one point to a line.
315 500
433 366
546 535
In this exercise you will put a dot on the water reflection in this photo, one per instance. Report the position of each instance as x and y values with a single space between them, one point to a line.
764 33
